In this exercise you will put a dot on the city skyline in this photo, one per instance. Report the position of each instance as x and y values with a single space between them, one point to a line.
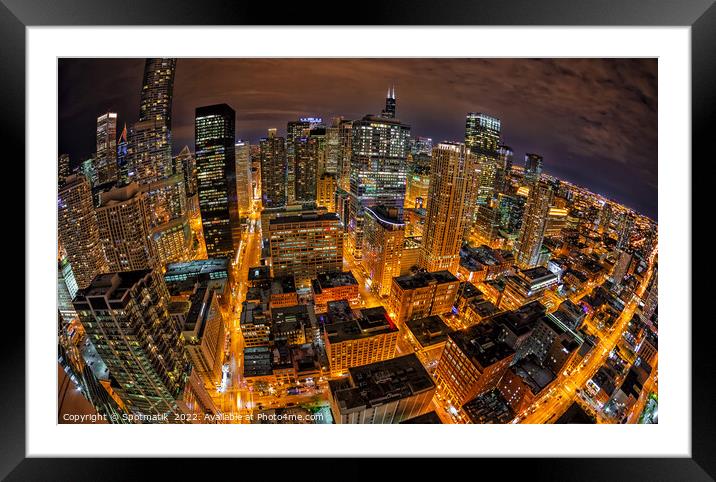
592 120
351 271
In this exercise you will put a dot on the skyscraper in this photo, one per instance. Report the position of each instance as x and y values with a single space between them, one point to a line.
243 176
345 133
149 151
383 237
123 221
450 177
295 130
533 168
482 137
106 156
306 153
534 222
149 148
390 102
482 133
273 170
378 170
63 169
122 158
326 192
187 162
216 173
78 231
157 91
126 316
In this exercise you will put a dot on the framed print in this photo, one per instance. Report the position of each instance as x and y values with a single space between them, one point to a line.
447 232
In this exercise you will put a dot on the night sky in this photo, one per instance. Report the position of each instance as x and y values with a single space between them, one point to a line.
593 120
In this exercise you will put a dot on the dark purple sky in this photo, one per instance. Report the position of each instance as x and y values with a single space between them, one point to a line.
593 120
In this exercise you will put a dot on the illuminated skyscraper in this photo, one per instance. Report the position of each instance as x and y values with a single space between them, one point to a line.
345 133
534 222
126 317
624 230
149 149
504 168
106 156
378 170
326 192
216 173
122 158
482 133
482 137
333 151
123 221
243 176
450 178
390 102
533 168
157 91
186 161
306 153
273 170
383 238
63 169
78 231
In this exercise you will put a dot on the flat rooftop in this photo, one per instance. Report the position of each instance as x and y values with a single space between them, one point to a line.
423 279
382 382
480 343
341 323
333 279
426 418
304 218
429 331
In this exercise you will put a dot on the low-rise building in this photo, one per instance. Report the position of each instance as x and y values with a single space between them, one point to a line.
388 391
422 294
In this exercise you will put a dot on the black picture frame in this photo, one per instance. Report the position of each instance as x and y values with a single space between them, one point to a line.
700 15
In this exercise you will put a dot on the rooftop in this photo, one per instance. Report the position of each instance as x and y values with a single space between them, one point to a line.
429 331
426 418
382 382
480 343
304 218
333 280
341 323
424 278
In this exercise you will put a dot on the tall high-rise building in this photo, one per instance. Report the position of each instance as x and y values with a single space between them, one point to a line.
533 168
345 133
216 173
78 231
306 168
149 149
333 151
122 157
186 161
482 137
482 133
624 230
326 192
504 168
126 316
652 297
305 244
534 222
421 146
450 177
106 156
243 176
157 91
378 171
295 130
390 102
123 221
273 170
63 169
383 239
